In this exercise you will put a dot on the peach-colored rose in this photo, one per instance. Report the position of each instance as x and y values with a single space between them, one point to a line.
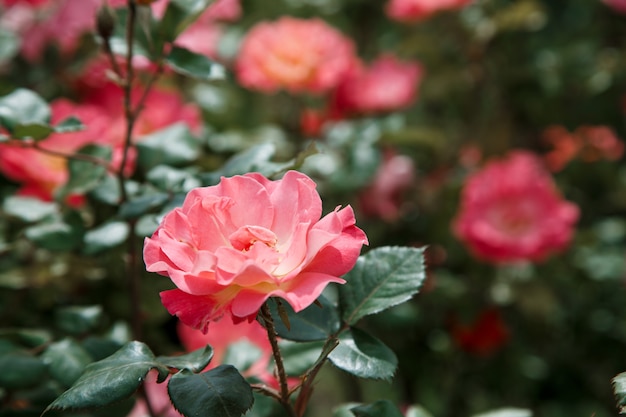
511 211
388 84
233 245
297 55
415 10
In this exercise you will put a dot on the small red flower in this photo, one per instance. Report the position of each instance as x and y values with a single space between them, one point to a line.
484 337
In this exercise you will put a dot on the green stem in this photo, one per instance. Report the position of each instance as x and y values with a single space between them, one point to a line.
278 359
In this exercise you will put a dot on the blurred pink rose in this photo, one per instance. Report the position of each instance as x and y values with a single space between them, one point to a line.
511 211
102 113
617 5
383 198
587 143
32 3
388 84
203 35
233 245
297 55
223 334
415 10
41 174
60 22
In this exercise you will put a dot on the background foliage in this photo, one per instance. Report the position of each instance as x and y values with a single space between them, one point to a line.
546 337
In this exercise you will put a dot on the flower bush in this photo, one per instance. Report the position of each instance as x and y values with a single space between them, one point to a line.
373 209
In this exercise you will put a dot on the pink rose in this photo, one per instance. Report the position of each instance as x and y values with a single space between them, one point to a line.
297 55
383 198
223 334
61 22
408 11
203 35
233 245
511 211
617 5
387 85
102 113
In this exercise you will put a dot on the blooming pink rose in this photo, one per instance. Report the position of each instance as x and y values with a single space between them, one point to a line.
387 85
383 198
233 245
415 10
297 55
511 211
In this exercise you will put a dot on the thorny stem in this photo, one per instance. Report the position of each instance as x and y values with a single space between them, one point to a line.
76 156
130 114
278 359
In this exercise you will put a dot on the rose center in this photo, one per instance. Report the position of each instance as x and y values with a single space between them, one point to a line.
247 236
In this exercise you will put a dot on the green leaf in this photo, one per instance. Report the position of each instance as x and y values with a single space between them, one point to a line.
141 205
178 16
382 278
100 347
191 64
36 131
299 357
111 379
619 388
382 408
66 361
361 354
173 145
85 175
106 236
26 337
169 179
242 355
78 320
256 159
195 361
417 411
344 410
71 124
507 412
23 107
9 44
20 370
312 323
222 392
57 234
28 209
